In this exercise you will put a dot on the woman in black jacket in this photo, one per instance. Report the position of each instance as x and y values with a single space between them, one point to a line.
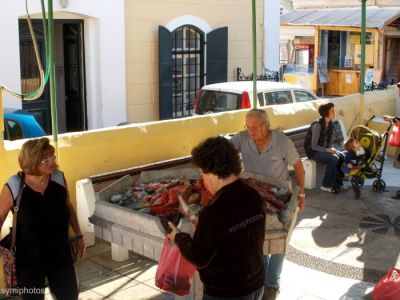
318 145
227 246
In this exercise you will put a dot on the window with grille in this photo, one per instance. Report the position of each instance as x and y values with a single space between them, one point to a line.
30 77
187 69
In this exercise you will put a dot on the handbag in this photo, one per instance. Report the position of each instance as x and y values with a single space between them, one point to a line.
394 139
8 250
388 287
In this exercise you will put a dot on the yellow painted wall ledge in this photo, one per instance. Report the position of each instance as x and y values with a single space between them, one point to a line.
92 152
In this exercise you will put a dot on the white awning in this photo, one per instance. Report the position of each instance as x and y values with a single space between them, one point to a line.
377 17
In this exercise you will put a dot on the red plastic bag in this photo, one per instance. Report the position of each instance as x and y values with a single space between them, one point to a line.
174 273
394 140
388 287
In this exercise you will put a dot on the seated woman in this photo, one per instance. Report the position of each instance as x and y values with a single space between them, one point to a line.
227 246
318 145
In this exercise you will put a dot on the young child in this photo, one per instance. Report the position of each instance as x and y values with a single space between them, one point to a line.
353 154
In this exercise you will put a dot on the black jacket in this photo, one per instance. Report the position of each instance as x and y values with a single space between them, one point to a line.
325 136
227 246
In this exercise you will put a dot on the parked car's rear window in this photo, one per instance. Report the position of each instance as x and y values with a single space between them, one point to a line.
303 96
214 101
278 97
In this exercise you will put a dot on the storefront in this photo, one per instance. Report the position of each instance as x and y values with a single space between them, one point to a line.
322 48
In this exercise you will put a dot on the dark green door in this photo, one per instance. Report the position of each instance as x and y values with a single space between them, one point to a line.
70 79
75 104
40 108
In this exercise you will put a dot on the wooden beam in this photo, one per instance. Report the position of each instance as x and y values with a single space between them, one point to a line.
346 28
384 58
376 50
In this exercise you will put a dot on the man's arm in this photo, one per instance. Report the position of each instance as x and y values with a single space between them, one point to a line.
299 174
293 159
236 140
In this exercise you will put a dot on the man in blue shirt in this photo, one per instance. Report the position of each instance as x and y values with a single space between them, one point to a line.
269 152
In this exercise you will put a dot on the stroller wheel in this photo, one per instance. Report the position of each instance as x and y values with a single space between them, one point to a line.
361 182
357 182
357 193
378 186
382 187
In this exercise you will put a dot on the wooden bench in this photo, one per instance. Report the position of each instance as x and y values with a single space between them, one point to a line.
298 134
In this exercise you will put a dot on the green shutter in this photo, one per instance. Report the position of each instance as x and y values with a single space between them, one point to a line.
165 73
217 55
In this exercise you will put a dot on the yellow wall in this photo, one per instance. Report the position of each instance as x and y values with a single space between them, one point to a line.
304 80
97 151
142 18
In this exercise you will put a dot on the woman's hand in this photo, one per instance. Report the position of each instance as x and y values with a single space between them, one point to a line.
332 151
388 118
80 247
171 236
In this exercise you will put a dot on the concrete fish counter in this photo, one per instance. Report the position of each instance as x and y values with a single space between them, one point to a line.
142 233
127 229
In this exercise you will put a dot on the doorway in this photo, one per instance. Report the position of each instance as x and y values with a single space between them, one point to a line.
392 59
69 73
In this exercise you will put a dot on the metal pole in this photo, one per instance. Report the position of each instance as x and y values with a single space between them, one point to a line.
53 99
254 54
362 67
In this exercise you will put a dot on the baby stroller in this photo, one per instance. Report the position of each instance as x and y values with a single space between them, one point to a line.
371 165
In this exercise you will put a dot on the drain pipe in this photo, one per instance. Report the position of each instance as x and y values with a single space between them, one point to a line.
254 54
271 35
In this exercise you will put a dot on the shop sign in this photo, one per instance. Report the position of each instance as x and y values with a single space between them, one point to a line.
369 76
348 62
301 47
348 78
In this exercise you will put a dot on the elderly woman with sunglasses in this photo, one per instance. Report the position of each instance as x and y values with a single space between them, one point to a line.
44 215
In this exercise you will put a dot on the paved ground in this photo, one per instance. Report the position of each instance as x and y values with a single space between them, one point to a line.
340 247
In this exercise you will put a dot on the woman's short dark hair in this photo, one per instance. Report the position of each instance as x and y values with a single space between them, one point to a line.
218 156
325 108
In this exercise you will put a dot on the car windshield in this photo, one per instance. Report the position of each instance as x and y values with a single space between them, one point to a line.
214 101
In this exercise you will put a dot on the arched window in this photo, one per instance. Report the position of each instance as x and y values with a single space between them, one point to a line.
187 68
183 63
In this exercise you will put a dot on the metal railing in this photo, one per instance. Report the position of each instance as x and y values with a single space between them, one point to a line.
267 76
374 86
